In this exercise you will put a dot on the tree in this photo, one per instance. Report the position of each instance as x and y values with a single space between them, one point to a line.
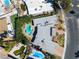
20 21
64 3
23 7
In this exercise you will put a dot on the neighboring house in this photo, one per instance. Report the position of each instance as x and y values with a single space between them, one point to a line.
36 7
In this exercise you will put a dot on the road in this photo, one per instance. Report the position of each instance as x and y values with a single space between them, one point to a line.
72 38
72 24
75 8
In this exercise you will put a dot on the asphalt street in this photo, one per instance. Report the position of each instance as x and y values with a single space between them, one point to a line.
72 38
72 24
75 8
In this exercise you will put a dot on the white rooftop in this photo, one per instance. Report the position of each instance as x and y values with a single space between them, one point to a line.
43 33
50 20
38 6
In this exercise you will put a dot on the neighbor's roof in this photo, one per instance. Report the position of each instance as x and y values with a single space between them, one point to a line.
38 6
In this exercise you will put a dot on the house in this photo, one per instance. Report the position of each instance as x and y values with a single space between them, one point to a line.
36 7
45 32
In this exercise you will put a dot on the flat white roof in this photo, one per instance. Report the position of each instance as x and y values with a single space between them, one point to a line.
43 33
38 6
50 20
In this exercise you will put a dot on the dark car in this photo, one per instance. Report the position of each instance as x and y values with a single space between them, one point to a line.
77 54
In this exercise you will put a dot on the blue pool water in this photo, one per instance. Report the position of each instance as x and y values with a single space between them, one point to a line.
7 3
38 54
28 29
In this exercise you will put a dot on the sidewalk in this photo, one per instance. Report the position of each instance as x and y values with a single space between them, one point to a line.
59 51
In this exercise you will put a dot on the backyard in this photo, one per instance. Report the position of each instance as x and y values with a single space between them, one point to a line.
18 23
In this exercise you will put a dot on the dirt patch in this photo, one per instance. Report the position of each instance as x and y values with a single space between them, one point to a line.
3 25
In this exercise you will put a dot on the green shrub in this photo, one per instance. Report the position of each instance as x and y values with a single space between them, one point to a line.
22 49
65 4
61 40
17 52
23 7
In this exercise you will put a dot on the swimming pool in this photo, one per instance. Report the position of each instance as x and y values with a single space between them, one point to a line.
38 54
7 3
28 29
